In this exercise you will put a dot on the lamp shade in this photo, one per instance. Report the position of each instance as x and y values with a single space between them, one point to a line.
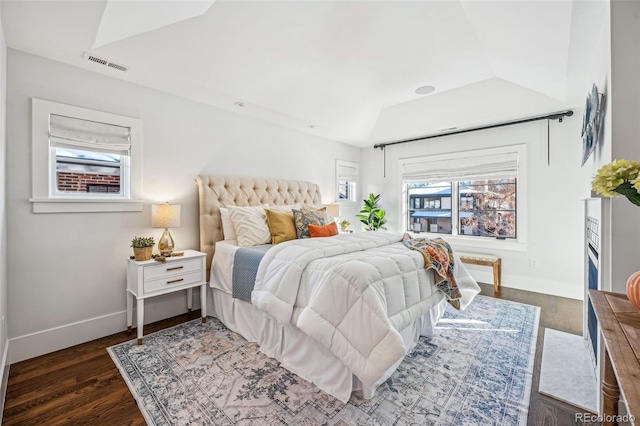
165 215
334 210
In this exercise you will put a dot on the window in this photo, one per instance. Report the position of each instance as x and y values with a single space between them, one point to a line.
430 207
81 172
88 157
468 194
84 160
487 208
347 181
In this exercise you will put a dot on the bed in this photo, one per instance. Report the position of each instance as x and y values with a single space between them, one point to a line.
341 329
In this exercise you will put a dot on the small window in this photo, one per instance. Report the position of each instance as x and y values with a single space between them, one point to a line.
83 158
88 157
347 181
82 172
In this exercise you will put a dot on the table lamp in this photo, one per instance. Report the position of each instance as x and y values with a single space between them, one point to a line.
334 211
165 216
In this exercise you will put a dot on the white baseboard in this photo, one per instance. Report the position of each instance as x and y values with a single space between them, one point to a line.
61 337
522 282
4 379
42 342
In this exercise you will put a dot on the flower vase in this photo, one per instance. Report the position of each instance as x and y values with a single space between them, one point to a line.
633 289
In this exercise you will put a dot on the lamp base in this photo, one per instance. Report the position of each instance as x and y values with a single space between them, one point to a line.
166 244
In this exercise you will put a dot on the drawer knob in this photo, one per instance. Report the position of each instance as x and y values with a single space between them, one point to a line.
174 268
175 281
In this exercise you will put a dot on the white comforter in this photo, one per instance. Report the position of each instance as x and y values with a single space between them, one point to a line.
352 293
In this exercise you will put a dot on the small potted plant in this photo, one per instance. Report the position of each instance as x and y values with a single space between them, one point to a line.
142 247
344 225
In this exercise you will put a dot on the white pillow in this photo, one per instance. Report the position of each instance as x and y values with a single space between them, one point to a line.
228 230
283 209
250 225
227 226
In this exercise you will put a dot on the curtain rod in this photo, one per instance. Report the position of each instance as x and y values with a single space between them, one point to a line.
553 116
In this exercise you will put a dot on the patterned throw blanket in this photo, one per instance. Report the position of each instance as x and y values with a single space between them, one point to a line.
439 257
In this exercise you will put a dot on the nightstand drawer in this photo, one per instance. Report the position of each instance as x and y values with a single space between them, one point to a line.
171 269
175 281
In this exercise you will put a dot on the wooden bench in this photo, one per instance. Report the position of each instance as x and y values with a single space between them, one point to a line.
485 260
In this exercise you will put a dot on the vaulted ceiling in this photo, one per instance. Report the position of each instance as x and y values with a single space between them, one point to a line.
345 70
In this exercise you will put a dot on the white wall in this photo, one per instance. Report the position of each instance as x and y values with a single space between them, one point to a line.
553 206
599 72
66 272
624 113
3 221
616 70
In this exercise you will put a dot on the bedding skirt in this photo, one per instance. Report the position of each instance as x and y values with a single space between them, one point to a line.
300 353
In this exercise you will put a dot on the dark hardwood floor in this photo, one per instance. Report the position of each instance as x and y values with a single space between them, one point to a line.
82 386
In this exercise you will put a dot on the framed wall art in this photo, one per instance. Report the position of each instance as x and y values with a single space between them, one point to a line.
591 122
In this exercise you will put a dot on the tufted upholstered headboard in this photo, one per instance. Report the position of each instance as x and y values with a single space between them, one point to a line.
223 191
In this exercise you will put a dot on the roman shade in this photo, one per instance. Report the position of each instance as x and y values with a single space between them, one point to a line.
494 166
89 135
347 173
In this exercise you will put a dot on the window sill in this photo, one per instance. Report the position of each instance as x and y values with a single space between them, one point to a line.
67 205
465 243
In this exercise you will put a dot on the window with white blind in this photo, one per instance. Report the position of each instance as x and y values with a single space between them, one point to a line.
473 194
84 160
347 181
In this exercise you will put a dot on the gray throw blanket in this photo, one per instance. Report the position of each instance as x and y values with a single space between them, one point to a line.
245 267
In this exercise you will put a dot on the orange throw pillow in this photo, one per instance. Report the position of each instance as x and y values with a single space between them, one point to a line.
323 230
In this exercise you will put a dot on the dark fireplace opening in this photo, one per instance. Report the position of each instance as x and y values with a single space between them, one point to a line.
593 244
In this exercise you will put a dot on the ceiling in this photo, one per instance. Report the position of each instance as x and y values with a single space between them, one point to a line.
344 70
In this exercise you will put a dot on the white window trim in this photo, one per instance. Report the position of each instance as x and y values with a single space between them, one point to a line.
462 241
357 181
42 200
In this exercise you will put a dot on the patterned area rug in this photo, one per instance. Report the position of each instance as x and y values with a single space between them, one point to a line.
476 370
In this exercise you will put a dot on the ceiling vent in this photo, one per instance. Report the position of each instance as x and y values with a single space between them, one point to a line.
104 62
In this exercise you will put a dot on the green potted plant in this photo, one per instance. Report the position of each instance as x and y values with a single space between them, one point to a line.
344 225
372 215
142 247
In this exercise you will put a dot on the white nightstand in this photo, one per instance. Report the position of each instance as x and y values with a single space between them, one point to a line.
151 278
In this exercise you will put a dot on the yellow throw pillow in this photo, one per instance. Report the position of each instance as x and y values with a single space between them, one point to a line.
281 226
